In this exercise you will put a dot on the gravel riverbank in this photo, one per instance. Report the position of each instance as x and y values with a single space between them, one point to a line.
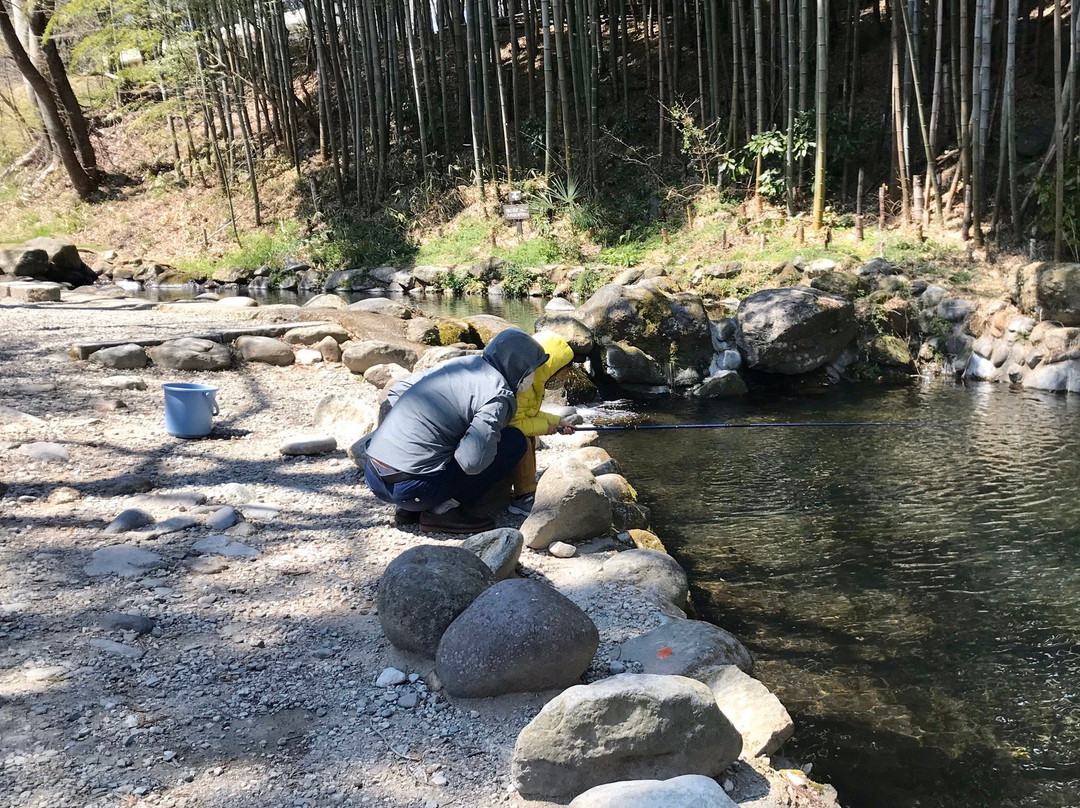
223 680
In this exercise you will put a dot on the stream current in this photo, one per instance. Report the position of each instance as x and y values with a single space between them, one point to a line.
912 595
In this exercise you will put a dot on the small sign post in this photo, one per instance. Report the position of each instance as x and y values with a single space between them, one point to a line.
516 211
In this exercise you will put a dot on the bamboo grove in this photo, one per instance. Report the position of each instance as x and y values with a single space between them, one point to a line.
393 92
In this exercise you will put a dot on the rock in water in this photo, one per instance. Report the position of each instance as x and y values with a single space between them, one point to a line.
131 519
627 727
518 636
190 353
752 709
650 571
120 357
570 505
687 791
267 350
724 384
424 590
500 549
308 445
686 648
794 330
125 560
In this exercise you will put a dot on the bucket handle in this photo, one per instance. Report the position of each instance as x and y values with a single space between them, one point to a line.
212 395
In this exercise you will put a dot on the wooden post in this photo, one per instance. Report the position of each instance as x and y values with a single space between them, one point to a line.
917 196
828 237
762 244
881 207
800 234
858 227
858 194
690 216
724 245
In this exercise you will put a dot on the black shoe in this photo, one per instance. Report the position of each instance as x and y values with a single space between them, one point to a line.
454 521
404 518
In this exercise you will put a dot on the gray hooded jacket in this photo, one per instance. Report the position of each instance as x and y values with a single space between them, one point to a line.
456 410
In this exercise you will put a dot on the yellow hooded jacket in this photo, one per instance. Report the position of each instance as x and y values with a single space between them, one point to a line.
529 419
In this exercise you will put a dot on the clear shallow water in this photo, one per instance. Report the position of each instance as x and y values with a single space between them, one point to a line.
520 311
912 595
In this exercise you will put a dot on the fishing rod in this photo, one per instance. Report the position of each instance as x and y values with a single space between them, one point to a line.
785 424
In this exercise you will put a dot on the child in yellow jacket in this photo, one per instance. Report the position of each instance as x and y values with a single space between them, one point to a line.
532 421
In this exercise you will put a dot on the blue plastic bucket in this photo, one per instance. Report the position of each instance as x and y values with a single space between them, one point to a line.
189 409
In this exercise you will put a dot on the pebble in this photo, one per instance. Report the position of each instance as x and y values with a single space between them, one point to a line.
302 445
244 530
131 519
127 622
205 565
219 544
168 755
174 524
259 513
615 668
222 518
109 404
46 452
236 494
64 495
391 677
561 549
408 699
439 779
125 560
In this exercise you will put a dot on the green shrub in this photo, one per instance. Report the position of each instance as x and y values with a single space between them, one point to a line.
535 252
586 284
455 282
517 281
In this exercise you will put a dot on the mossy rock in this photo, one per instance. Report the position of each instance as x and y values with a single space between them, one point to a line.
453 331
579 387
424 331
845 284
788 275
889 351
646 540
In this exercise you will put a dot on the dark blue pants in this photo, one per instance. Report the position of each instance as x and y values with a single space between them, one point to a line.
427 491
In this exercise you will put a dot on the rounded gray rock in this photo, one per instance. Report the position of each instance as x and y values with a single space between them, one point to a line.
424 590
689 790
190 353
500 549
686 648
267 350
626 727
518 636
651 571
120 357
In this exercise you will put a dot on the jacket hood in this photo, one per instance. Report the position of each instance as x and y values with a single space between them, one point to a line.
559 352
515 355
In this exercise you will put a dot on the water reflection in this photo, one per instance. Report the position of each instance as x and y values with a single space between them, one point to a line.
521 312
913 595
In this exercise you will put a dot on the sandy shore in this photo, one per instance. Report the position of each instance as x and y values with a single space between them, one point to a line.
254 682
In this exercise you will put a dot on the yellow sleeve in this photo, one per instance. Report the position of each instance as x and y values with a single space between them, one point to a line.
554 420
531 425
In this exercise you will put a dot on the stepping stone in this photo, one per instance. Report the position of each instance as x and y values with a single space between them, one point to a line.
224 546
125 560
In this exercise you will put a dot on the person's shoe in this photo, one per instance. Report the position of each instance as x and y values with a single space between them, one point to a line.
404 518
454 521
522 505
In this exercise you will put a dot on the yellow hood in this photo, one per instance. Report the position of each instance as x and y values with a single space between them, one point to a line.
560 354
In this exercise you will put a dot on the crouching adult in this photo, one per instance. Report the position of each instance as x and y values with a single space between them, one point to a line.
446 441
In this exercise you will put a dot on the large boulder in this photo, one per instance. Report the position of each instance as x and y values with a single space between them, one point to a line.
424 590
500 549
650 571
267 350
422 330
518 636
347 280
1057 292
577 335
24 263
488 326
190 353
752 709
382 305
626 727
570 505
794 330
436 356
65 263
360 356
314 334
453 332
842 284
626 512
673 329
626 364
240 276
725 384
686 791
686 648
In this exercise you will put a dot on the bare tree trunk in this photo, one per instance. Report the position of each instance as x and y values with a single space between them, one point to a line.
822 110
1059 136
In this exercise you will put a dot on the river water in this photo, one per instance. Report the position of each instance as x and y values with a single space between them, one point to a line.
912 595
